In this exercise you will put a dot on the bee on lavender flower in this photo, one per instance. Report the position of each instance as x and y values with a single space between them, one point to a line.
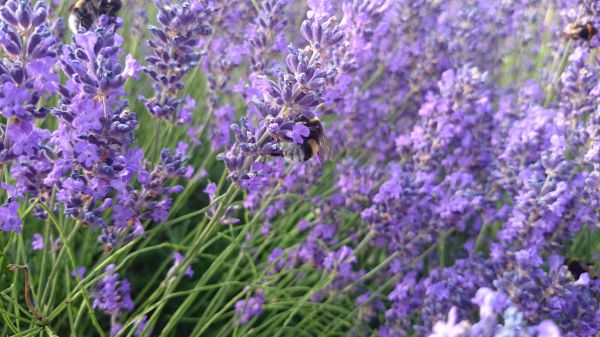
85 12
315 144
576 268
577 31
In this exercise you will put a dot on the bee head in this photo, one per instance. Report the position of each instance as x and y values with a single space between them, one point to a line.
110 7
82 14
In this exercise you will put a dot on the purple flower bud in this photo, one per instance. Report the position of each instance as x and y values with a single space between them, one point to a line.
39 14
24 16
158 33
317 32
11 43
306 31
175 189
292 62
8 15
38 242
308 100
33 43
246 310
17 74
335 38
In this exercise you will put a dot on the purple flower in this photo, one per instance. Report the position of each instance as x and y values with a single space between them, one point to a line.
548 329
211 190
288 97
319 7
177 260
490 302
13 100
9 217
9 211
160 212
94 134
27 80
220 129
79 272
38 242
115 328
112 294
181 26
26 139
299 132
343 256
86 154
248 309
450 328
132 67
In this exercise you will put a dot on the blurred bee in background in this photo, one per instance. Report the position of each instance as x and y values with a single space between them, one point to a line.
576 268
578 31
85 12
315 144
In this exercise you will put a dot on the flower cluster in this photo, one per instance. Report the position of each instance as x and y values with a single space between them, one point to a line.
293 94
470 159
28 80
465 174
175 52
250 308
112 296
491 307
95 133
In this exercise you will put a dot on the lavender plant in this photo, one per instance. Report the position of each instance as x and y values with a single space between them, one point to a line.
147 189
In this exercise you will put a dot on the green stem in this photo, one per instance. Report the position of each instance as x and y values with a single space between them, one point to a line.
178 272
71 256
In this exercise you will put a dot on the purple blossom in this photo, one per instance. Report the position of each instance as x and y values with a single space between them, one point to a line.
177 260
79 272
132 67
27 79
513 324
211 190
220 130
181 26
86 154
288 97
14 103
469 132
299 132
249 308
9 211
38 242
450 328
112 294
95 131
9 217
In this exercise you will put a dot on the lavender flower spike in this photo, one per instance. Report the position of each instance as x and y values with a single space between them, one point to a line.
291 95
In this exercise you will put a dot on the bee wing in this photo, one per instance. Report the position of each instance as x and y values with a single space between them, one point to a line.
325 152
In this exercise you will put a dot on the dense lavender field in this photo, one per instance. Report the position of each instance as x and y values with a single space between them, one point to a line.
154 182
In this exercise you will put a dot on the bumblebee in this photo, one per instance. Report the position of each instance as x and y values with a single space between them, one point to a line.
85 12
577 31
315 144
576 268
